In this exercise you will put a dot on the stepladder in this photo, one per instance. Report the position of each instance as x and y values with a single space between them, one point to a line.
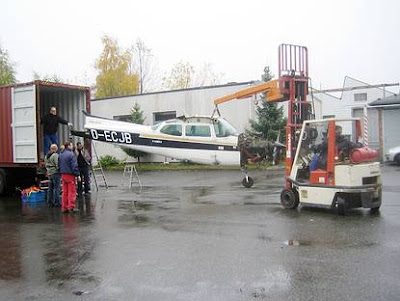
98 175
130 175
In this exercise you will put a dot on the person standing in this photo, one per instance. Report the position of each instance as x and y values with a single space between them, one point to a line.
53 193
68 167
50 126
83 166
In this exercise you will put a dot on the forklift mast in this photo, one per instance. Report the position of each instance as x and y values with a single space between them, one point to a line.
293 81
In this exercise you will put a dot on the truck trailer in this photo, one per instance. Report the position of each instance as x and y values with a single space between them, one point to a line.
22 106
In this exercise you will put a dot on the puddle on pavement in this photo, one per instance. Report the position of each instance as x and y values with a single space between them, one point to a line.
264 238
134 213
198 192
330 244
65 253
133 220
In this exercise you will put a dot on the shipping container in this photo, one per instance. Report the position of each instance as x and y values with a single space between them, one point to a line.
21 134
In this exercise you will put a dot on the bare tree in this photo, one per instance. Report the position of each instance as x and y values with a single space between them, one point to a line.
142 63
183 75
180 77
207 77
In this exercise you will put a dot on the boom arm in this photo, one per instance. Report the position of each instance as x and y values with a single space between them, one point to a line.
272 89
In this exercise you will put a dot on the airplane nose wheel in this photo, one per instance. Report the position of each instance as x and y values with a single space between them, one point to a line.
248 181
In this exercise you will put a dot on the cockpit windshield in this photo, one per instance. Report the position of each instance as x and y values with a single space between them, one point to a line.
223 128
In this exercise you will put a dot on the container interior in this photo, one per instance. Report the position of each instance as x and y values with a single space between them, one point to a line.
69 103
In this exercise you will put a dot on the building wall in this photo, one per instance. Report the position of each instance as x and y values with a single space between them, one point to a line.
346 105
199 101
187 102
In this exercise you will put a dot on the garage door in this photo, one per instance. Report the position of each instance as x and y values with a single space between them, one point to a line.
391 125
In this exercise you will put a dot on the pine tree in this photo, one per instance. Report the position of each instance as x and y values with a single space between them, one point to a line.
137 114
270 121
138 118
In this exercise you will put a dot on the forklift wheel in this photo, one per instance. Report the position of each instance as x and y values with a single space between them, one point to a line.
289 198
248 182
375 210
341 206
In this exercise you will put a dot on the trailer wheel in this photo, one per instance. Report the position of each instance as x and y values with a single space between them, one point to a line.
2 181
289 198
248 182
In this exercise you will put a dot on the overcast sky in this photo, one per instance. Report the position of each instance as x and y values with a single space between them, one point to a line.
343 37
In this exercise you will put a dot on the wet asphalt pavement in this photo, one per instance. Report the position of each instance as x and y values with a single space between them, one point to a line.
199 235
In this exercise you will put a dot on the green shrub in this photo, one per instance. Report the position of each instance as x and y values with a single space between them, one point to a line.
108 160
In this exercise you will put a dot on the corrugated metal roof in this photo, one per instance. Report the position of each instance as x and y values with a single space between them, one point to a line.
49 84
180 90
390 100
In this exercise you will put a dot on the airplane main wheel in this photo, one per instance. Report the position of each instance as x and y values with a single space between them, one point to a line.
289 198
248 182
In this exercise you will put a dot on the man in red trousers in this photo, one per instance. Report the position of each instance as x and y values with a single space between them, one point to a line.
68 167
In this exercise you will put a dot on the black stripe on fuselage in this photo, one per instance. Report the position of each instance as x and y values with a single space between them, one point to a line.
135 139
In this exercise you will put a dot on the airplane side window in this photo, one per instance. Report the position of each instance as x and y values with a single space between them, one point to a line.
172 129
220 130
223 129
198 131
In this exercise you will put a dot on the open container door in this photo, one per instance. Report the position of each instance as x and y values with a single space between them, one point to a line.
24 130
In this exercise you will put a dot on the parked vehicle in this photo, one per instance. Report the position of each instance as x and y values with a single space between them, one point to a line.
393 155
21 134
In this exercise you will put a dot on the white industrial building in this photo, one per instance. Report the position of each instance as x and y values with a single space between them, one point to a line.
158 106
351 102
388 113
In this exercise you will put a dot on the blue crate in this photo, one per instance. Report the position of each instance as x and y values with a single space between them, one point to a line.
35 197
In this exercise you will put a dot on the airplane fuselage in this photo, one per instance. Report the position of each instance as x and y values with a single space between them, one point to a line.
197 139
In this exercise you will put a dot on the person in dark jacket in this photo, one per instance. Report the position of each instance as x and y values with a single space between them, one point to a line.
83 166
68 167
50 125
53 194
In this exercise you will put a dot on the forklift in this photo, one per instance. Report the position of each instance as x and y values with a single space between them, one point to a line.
326 164
332 168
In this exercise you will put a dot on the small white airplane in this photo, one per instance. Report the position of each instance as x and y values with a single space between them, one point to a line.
203 140
198 139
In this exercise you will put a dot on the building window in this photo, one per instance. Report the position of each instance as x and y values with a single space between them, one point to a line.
126 118
328 116
161 116
360 97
